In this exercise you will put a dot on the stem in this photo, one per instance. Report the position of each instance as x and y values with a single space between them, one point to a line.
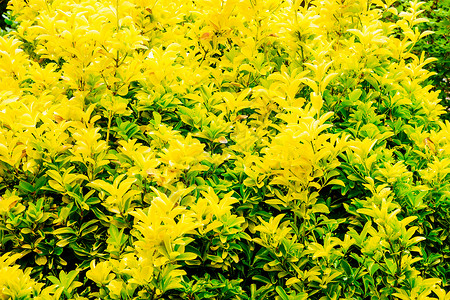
153 293
117 14
109 127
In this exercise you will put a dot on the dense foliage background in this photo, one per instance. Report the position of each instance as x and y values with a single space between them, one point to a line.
235 149
3 14
437 45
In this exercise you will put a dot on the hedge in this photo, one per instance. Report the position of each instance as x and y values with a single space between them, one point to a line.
234 149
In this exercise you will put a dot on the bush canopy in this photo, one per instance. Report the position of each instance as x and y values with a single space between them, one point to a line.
221 149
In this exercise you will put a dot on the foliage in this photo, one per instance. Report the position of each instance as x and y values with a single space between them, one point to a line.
210 149
437 45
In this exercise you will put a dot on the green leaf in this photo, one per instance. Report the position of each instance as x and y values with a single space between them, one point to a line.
54 280
347 268
64 230
84 228
281 292
355 95
186 256
26 187
261 279
320 208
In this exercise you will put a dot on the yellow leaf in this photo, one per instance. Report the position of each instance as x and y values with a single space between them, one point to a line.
317 102
123 90
41 260
292 280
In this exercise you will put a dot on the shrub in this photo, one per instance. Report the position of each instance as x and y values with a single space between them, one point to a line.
437 45
221 150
